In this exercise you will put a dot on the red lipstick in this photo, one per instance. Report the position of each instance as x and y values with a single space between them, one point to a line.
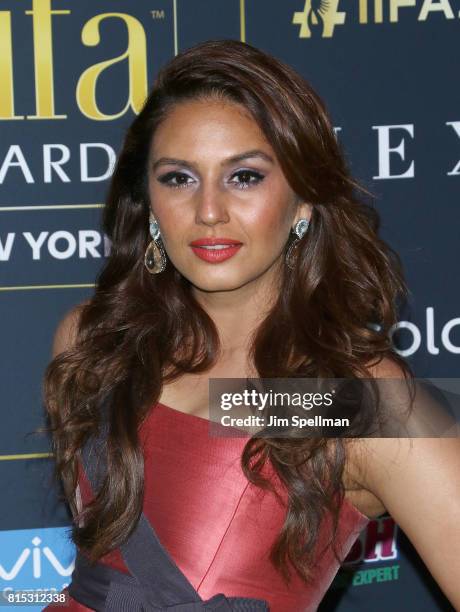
215 250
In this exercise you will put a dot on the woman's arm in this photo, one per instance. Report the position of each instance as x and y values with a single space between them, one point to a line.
418 482
64 338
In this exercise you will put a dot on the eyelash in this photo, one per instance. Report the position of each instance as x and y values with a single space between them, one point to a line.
166 178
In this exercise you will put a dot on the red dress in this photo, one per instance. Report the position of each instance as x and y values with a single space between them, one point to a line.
218 527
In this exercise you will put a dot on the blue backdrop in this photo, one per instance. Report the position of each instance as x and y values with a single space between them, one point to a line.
72 75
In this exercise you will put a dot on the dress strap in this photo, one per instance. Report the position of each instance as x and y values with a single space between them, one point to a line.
105 589
156 582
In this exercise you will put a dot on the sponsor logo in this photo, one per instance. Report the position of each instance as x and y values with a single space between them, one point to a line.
320 17
96 160
376 544
432 337
36 559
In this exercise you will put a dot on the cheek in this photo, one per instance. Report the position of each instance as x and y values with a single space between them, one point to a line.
271 223
170 215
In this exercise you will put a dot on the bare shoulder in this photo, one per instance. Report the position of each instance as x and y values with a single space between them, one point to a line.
66 330
386 368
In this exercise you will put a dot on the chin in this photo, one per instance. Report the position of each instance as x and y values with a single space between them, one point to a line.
217 282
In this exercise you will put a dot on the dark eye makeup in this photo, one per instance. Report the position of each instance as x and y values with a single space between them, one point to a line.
257 176
166 179
178 180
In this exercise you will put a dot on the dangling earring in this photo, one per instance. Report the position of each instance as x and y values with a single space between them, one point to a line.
299 230
155 257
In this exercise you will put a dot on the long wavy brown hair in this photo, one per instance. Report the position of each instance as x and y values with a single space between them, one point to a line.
331 319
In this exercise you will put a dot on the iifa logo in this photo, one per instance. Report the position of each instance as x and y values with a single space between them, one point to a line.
319 17
43 15
35 558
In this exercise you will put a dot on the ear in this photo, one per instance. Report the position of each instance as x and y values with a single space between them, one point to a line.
303 212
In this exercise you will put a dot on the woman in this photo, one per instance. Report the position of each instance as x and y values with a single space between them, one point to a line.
239 250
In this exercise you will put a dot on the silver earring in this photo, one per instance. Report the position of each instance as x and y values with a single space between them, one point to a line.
300 229
155 256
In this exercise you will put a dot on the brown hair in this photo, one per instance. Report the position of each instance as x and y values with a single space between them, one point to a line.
132 333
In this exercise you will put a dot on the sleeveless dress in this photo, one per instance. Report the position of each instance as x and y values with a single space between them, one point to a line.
216 526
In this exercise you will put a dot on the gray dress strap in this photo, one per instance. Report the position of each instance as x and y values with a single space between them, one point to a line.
156 583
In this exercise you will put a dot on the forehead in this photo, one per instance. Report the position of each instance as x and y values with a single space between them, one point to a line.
207 126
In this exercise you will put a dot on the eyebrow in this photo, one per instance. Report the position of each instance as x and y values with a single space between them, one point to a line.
229 160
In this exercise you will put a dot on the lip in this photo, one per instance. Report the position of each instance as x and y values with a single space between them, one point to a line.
213 241
215 255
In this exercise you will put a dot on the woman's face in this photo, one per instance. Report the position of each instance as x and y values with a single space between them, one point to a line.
213 175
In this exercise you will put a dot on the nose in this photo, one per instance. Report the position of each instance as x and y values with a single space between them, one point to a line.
211 205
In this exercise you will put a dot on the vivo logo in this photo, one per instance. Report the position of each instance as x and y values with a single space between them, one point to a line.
36 560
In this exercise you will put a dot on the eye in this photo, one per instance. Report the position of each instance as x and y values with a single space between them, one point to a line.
245 177
180 177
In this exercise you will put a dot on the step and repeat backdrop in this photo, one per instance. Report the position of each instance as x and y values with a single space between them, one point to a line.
74 73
